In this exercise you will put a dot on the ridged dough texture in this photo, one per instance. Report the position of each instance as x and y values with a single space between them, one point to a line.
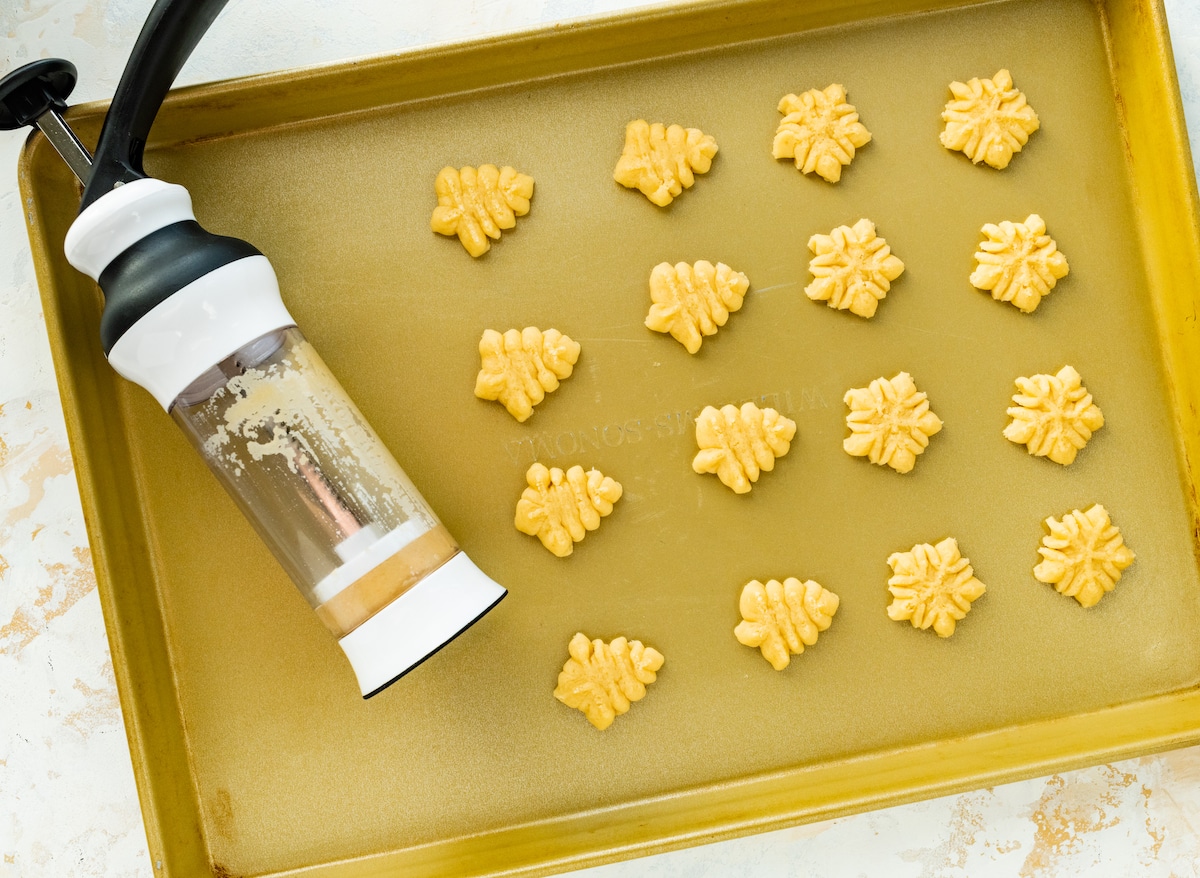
1019 263
739 444
476 204
518 369
819 131
1083 555
988 119
603 679
692 301
781 618
853 268
932 586
559 508
661 162
1054 415
890 422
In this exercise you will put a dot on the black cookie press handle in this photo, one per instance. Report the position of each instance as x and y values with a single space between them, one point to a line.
36 94
170 33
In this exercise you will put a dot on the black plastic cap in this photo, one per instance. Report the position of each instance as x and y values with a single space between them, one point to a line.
29 91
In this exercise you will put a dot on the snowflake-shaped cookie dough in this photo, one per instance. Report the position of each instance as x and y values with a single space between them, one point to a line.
603 679
476 204
781 618
932 586
519 368
1019 262
692 301
661 161
559 508
988 119
854 268
1054 415
890 422
739 444
1083 555
820 131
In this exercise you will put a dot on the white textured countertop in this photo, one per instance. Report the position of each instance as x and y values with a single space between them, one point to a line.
68 805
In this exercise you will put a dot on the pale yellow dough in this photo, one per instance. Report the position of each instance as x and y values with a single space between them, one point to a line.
853 268
1083 555
890 422
519 368
1019 263
661 161
932 586
739 444
819 131
988 119
476 204
781 618
1054 415
603 679
692 301
559 508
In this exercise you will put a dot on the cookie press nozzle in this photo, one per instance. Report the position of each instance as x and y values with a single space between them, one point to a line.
197 319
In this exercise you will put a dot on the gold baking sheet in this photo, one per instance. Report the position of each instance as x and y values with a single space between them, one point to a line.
253 752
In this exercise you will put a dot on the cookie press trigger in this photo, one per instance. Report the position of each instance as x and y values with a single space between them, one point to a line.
198 321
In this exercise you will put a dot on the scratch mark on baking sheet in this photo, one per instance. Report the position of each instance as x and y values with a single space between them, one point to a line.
782 286
624 340
937 332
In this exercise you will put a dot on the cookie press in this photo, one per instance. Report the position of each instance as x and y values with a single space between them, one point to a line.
197 320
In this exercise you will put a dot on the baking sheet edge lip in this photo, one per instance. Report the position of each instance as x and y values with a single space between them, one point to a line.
780 819
231 89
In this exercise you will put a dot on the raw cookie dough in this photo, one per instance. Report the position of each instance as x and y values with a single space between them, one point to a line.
692 301
988 120
520 368
662 162
1054 415
1019 262
560 508
932 585
854 268
738 444
604 679
890 422
477 204
783 618
1083 555
819 131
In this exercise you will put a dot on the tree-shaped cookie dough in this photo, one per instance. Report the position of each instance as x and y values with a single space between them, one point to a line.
1019 262
819 131
692 301
560 508
520 368
477 204
1054 415
604 679
932 586
988 120
738 444
853 268
661 162
890 422
783 618
1083 555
